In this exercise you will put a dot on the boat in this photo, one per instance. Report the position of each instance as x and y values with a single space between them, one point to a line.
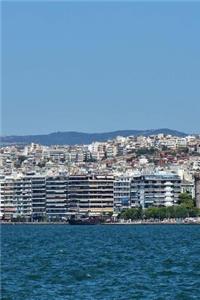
84 221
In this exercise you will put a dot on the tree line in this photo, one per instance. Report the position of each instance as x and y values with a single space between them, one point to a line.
185 208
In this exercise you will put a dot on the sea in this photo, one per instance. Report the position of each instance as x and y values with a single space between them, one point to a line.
43 262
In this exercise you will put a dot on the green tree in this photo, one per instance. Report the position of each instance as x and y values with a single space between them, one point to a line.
181 212
170 212
152 213
194 212
131 213
186 200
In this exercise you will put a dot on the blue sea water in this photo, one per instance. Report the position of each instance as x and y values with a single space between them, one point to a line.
44 262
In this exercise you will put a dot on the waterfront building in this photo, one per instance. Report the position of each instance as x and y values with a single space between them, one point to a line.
90 194
155 190
16 197
1 197
8 203
56 197
38 184
188 187
23 196
122 189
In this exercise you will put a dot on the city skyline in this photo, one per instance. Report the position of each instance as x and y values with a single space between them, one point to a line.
99 67
100 125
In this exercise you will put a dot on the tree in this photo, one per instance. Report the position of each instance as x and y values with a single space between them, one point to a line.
170 212
186 200
152 213
145 151
194 212
162 212
181 212
131 213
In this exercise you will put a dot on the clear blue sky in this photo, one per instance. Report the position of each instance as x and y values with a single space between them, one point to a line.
96 67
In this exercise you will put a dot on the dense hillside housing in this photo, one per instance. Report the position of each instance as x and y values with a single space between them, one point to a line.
53 182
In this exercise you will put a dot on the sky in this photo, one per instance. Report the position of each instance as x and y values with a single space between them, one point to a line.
99 66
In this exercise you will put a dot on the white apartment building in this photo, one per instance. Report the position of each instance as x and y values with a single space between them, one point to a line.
121 193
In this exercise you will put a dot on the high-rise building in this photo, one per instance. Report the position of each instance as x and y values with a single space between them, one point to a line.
7 190
16 197
56 197
23 196
155 190
36 197
90 194
38 184
122 189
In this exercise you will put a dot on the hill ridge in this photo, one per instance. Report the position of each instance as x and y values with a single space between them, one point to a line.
75 137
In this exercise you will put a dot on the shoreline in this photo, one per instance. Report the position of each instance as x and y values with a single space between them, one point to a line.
111 223
154 223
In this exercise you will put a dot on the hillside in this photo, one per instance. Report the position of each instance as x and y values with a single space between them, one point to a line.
72 137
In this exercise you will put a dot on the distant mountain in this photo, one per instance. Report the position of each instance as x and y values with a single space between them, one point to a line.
73 138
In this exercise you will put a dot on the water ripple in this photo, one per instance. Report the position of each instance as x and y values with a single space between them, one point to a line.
100 262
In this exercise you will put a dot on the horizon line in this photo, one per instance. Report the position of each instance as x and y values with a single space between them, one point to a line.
99 132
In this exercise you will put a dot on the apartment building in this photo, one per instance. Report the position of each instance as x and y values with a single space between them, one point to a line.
23 196
38 189
16 198
56 197
155 190
122 192
8 205
90 194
